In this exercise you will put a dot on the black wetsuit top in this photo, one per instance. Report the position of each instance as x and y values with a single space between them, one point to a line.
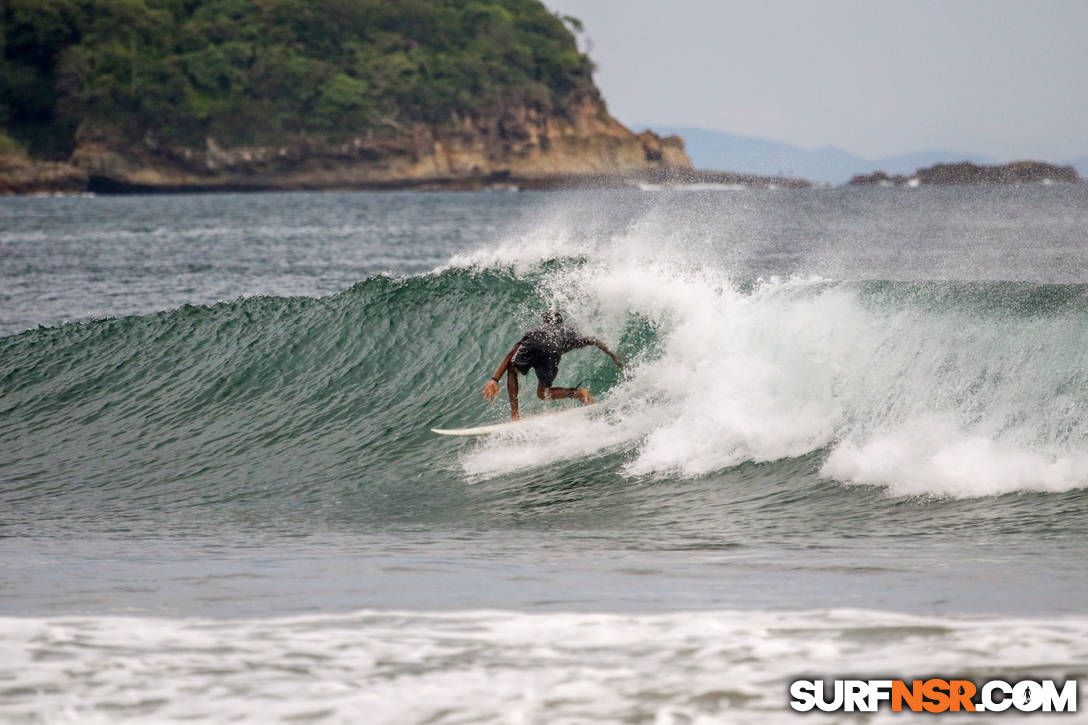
541 349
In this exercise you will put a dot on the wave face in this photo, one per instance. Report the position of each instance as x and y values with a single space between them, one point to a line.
292 398
940 388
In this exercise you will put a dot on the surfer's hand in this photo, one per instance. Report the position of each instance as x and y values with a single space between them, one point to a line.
491 390
619 363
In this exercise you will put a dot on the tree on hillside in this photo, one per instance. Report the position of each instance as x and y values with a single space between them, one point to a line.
255 71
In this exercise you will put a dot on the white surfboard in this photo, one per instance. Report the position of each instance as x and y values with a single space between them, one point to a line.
484 430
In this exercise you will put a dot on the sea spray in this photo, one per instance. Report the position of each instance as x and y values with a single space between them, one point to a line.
925 388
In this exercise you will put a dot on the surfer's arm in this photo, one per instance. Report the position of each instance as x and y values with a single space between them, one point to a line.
604 349
492 387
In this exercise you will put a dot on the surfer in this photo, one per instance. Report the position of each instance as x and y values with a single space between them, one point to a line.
540 349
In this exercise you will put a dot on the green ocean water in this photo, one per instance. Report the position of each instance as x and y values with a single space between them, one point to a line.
865 401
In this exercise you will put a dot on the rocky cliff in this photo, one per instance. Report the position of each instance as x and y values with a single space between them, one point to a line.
21 175
523 146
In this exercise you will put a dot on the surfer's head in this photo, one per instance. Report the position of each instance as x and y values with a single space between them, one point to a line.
552 318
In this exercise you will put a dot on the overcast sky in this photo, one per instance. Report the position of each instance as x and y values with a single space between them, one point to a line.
1002 78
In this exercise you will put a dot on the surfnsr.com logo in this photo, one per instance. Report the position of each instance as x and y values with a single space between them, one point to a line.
934 695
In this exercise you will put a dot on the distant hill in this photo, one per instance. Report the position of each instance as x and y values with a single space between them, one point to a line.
729 152
964 172
262 72
242 94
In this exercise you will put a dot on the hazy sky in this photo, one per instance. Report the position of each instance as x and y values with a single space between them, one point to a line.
1008 79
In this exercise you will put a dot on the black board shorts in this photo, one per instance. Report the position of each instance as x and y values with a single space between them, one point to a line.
545 365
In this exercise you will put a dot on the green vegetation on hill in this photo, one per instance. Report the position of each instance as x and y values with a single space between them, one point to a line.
261 71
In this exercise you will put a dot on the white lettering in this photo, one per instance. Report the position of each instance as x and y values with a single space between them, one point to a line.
1064 701
856 695
1027 696
821 696
879 691
989 704
803 693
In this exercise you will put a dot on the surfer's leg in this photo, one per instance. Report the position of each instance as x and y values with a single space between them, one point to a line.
512 390
545 393
545 375
546 371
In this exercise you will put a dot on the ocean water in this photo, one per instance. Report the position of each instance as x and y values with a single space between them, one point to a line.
850 440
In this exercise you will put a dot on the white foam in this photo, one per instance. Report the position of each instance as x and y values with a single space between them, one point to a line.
936 457
400 666
919 398
520 253
734 378
707 186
